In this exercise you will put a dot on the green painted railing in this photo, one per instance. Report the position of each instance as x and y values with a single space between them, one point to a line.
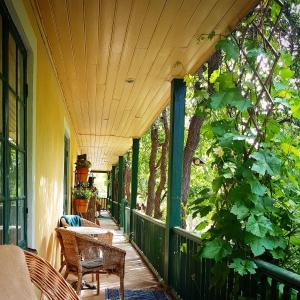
149 236
192 275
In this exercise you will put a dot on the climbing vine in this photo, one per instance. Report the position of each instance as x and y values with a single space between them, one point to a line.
251 207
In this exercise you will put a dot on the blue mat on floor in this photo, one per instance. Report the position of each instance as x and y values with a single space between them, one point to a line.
113 294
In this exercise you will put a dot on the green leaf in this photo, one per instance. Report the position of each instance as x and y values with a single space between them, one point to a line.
296 109
243 266
240 210
258 225
231 96
286 73
278 253
201 226
229 47
259 245
204 210
216 249
183 248
266 162
217 183
256 187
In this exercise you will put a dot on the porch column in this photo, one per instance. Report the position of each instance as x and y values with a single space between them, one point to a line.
108 184
113 196
177 114
120 185
108 187
134 180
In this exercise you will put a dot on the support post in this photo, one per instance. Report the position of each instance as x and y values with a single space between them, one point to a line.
113 196
177 114
120 186
134 180
108 188
108 185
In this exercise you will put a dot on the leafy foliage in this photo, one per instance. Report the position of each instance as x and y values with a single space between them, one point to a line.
249 204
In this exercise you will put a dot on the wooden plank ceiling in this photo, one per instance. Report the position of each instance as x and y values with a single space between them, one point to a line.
115 59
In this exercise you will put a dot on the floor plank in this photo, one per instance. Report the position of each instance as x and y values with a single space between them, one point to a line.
137 274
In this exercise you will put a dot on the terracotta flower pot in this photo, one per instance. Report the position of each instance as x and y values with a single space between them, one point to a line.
81 205
82 174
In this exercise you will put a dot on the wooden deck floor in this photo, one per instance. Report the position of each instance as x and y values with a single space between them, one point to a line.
137 274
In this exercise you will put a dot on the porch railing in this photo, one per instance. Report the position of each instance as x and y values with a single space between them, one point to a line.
149 236
192 275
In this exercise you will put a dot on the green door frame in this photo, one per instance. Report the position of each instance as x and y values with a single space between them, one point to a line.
19 145
66 173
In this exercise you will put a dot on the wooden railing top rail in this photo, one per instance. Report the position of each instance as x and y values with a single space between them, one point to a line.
187 234
144 216
281 275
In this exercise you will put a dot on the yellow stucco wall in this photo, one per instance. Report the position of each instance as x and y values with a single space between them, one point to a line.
51 116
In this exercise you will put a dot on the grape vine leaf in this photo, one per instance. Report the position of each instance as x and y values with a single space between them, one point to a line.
256 187
242 266
258 225
231 96
216 249
229 47
240 210
265 162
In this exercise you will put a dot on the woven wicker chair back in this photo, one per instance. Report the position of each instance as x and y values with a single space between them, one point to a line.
48 280
70 248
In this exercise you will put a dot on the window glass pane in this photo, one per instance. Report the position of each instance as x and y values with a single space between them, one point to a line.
20 76
1 222
21 223
12 118
12 172
21 175
12 230
1 37
1 107
12 55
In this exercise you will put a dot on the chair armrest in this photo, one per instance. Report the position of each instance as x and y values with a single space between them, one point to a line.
87 223
113 257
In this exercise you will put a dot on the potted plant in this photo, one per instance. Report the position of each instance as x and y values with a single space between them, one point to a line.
81 197
82 169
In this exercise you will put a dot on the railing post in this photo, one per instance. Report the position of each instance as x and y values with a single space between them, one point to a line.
113 198
120 186
134 180
177 114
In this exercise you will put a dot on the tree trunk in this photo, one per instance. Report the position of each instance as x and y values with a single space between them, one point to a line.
193 138
163 167
189 152
152 170
127 183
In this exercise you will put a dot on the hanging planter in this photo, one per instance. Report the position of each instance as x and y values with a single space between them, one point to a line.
81 197
82 174
82 170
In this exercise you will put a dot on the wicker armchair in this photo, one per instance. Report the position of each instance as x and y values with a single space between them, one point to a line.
106 238
48 280
111 260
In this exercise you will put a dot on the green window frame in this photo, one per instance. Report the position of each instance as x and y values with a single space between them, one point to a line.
13 120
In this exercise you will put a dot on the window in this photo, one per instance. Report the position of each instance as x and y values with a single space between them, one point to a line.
13 200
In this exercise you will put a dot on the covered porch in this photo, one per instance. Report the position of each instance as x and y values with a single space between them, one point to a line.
85 80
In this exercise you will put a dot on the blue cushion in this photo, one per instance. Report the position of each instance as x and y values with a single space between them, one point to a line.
72 220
